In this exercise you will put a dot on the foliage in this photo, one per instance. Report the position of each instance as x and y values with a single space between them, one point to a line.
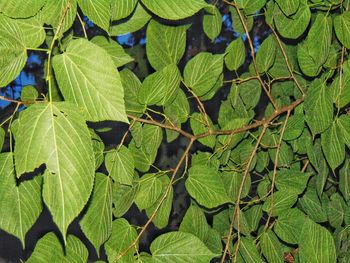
267 174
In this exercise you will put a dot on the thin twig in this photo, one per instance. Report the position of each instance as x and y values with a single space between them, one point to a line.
236 212
167 191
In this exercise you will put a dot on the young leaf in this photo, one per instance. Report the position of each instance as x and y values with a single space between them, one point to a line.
180 247
20 9
318 107
264 62
53 11
21 205
13 50
120 165
292 26
151 188
87 77
123 234
344 181
161 219
123 197
159 87
342 28
194 222
97 222
212 22
280 201
49 249
289 7
56 134
333 145
98 12
289 225
122 9
116 51
165 44
271 247
174 9
316 244
235 54
202 72
138 19
206 186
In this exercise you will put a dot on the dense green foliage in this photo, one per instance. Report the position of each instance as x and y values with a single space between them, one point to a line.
267 175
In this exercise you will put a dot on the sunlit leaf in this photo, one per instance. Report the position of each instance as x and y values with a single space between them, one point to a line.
97 11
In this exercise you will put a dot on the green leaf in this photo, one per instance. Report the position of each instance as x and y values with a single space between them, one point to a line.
316 244
253 216
232 182
314 51
280 201
294 127
333 146
295 25
120 165
250 6
237 23
151 188
199 125
343 123
33 31
271 247
139 19
20 8
292 180
180 247
247 251
21 205
87 77
53 11
289 225
122 9
13 50
212 22
56 134
97 11
123 197
98 146
161 219
165 44
123 234
340 89
202 72
344 181
336 210
174 9
235 54
29 93
49 249
2 137
159 87
206 186
213 241
312 206
179 107
250 92
195 223
318 107
342 28
116 51
289 7
97 222
268 46
132 85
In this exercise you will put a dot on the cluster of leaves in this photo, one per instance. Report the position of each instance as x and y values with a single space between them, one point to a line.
274 177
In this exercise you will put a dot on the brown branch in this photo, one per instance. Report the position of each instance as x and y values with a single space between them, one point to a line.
251 46
236 211
11 100
167 191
